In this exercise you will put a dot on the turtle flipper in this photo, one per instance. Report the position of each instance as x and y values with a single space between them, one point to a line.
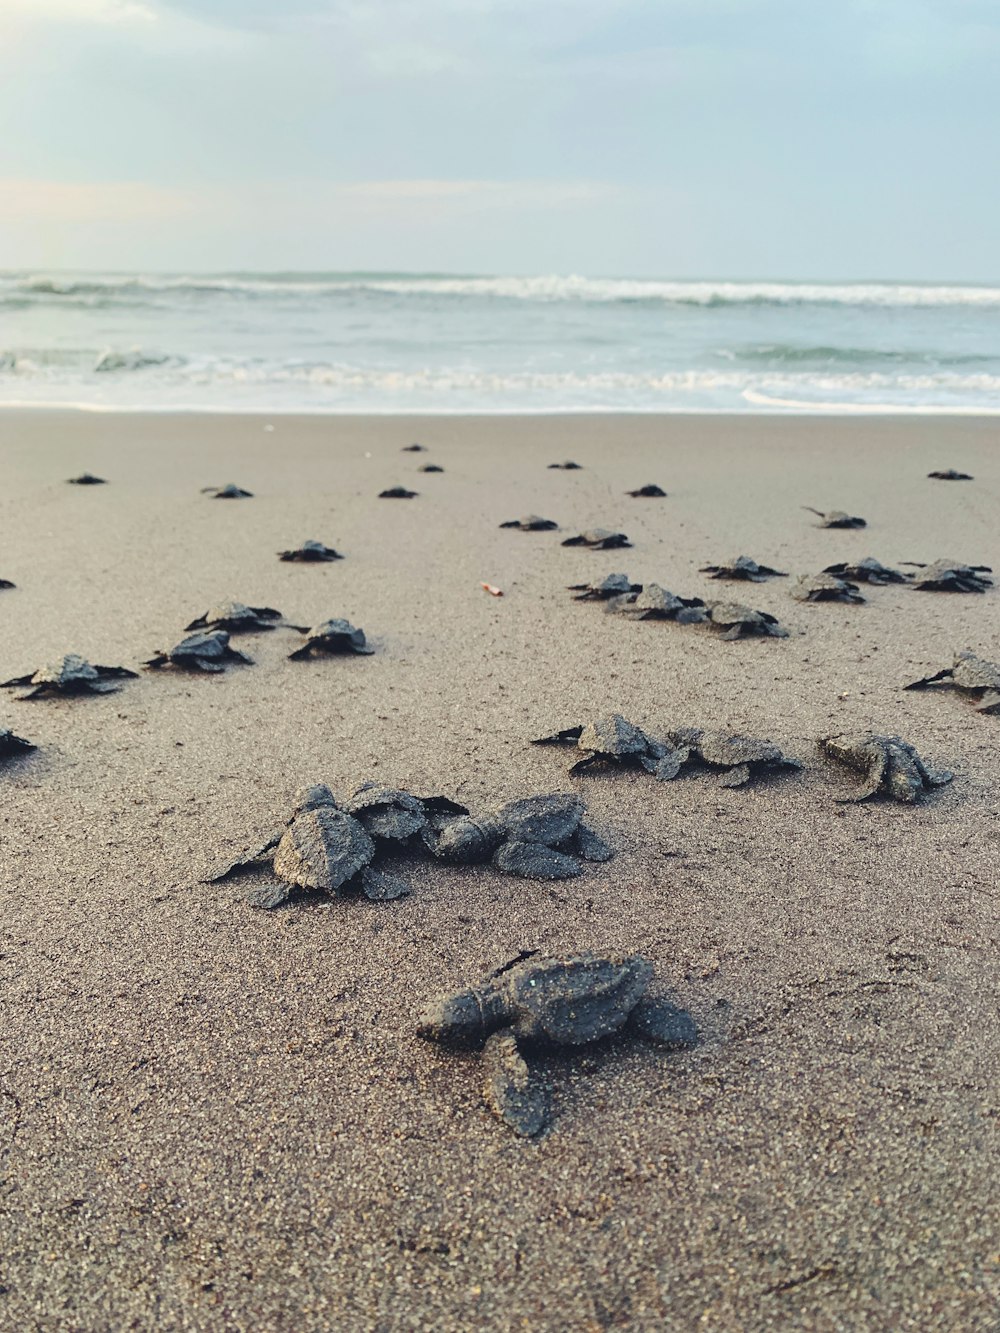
116 672
269 896
17 681
929 680
738 776
878 770
659 1021
155 663
246 861
989 703
510 1092
379 887
568 736
668 765
300 654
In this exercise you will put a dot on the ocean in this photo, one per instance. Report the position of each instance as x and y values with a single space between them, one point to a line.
386 342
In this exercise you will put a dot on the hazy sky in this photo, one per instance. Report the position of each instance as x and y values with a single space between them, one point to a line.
757 138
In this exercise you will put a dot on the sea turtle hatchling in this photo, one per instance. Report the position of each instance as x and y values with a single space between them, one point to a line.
950 474
6 583
650 492
615 585
11 746
71 674
414 449
397 493
742 569
741 622
891 766
321 847
741 757
568 466
87 479
236 618
200 652
973 676
430 467
836 518
599 539
867 570
655 603
949 576
311 553
228 492
536 1002
824 588
615 742
531 523
332 636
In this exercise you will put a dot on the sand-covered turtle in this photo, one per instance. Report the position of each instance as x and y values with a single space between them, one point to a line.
950 474
87 479
537 1002
71 674
972 675
824 588
615 585
6 583
11 746
617 743
236 618
310 553
891 766
867 570
599 539
387 812
430 467
949 576
322 847
332 636
650 492
200 652
742 569
742 622
655 603
397 493
741 757
836 518
531 523
568 466
228 492
414 449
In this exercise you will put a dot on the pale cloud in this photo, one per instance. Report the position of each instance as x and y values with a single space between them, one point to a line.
32 201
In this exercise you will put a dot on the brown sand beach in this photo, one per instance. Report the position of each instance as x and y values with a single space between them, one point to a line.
218 1118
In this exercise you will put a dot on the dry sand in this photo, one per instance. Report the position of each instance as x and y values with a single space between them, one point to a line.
214 1118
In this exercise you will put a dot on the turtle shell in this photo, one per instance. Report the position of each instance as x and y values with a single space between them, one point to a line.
615 585
613 736
387 813
576 999
867 570
975 673
531 523
742 568
656 603
323 848
311 552
333 636
463 840
599 539
549 820
234 616
824 588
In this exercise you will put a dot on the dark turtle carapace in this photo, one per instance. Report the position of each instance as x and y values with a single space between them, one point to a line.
11 746
867 570
209 652
228 492
71 674
599 539
531 523
891 766
950 474
414 449
430 467
87 479
824 588
652 602
397 493
650 492
332 636
742 569
742 622
615 585
971 675
6 583
537 1002
310 553
836 518
568 466
742 758
949 576
236 618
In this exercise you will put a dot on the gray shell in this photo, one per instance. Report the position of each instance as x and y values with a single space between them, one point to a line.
892 767
867 570
228 492
836 518
550 820
463 840
599 539
742 756
235 616
534 860
386 813
824 588
950 474
573 1000
201 652
87 479
323 849
531 523
742 569
649 492
950 576
397 493
742 621
311 552
656 603
615 585
332 636
71 674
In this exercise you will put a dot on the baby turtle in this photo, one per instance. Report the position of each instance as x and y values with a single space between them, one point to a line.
321 847
200 652
973 676
430 467
87 479
742 569
228 492
867 570
891 766
650 492
550 1002
656 603
949 474
824 588
742 757
236 618
836 518
414 449
615 742
71 674
331 636
599 539
950 576
568 466
615 585
531 523
11 745
740 622
311 552
6 583
397 493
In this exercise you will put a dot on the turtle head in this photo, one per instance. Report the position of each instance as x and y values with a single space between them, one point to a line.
454 1020
314 798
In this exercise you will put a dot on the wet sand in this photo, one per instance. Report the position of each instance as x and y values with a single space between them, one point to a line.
215 1118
